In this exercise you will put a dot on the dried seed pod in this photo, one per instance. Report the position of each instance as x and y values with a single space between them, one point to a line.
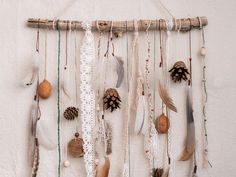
75 146
179 72
162 124
44 89
111 99
71 113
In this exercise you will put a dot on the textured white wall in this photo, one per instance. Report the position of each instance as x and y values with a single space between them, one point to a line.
17 43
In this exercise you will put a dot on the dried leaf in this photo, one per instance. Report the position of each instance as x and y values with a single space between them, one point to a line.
190 138
166 98
102 170
120 71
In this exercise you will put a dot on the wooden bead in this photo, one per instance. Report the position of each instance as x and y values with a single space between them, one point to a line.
66 163
44 89
203 51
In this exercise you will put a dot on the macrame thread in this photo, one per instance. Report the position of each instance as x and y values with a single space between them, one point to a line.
58 100
204 87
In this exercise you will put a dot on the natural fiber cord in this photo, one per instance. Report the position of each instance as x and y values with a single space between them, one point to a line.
58 103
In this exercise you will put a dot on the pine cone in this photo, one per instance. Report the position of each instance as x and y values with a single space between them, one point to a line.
71 113
179 71
111 99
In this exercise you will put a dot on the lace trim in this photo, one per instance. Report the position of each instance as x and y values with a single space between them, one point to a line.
87 97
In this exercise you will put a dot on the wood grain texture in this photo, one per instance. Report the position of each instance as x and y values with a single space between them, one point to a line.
119 26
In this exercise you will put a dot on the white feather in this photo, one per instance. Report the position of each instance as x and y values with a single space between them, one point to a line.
45 136
140 115
146 123
31 76
65 83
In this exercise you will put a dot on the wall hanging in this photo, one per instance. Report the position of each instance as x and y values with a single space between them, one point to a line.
98 98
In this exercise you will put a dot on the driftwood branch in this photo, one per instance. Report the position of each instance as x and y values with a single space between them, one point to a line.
119 26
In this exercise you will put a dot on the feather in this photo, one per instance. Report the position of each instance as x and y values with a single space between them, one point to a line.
98 72
36 159
190 138
140 115
44 138
65 83
102 169
166 98
108 132
30 77
32 131
119 70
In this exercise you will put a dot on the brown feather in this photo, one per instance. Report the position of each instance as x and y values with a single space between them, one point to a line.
36 159
166 98
186 155
102 170
190 137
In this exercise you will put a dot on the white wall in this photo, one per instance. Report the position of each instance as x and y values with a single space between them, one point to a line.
17 43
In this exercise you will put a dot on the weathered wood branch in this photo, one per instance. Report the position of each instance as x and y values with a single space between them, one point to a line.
119 26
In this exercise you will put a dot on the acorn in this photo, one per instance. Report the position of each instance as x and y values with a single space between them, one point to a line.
44 89
162 124
75 146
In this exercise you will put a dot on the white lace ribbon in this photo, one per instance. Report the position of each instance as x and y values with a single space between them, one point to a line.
87 97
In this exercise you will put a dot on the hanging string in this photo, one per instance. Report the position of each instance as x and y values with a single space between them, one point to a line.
67 29
37 38
45 54
109 40
58 100
154 80
205 93
161 51
99 40
127 59
190 52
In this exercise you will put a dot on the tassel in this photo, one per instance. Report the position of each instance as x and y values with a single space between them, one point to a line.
36 159
102 169
119 70
166 98
190 139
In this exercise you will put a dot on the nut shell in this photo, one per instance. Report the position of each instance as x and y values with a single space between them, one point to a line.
162 124
44 89
75 147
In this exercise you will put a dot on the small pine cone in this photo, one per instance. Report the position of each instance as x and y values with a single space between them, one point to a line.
71 113
179 72
111 99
